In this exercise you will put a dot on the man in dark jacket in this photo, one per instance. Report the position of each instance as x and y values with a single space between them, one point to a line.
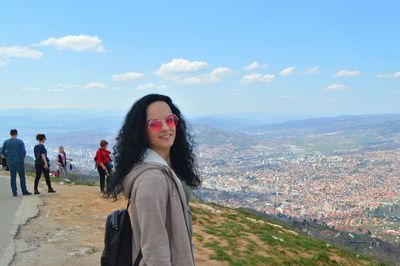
14 150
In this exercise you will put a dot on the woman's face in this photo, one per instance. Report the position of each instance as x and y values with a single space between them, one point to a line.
160 138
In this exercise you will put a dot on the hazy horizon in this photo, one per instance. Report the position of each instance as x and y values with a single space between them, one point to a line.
122 112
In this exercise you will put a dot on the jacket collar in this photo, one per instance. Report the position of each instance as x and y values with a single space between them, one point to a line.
151 156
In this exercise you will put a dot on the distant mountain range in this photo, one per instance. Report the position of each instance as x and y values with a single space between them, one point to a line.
387 123
337 134
326 135
329 134
83 120
62 123
110 121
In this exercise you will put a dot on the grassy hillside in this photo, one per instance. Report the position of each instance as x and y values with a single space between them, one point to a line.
224 236
70 227
234 237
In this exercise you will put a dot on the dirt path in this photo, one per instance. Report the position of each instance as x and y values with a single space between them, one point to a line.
69 229
14 212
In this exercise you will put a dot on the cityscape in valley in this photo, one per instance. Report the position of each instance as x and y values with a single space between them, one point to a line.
344 172
343 191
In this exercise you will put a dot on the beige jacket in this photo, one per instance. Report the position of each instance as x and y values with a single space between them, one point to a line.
159 215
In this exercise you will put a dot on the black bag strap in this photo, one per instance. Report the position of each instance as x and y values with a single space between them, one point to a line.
138 258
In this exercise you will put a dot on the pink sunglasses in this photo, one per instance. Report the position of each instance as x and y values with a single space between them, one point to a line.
157 124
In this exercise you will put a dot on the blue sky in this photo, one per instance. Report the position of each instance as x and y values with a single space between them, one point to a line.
212 57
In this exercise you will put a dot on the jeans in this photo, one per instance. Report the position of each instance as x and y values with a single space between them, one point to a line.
17 166
64 173
46 174
102 175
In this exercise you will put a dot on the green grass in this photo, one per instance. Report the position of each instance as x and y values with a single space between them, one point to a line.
232 240
220 252
237 258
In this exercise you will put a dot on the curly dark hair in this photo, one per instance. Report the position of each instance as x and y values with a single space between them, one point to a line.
131 144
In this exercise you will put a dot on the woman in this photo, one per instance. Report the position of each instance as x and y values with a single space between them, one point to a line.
103 163
62 164
155 168
42 163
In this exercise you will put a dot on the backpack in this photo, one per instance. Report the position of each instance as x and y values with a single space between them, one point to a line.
118 240
95 161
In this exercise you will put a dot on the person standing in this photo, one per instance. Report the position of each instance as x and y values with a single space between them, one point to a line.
62 164
42 163
155 168
103 163
14 150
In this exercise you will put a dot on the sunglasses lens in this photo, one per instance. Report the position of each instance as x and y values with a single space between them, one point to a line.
155 125
171 120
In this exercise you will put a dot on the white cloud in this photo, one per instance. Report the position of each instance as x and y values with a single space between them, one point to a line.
335 87
95 85
179 66
198 80
347 73
76 43
30 89
181 71
395 75
254 65
151 86
221 71
397 92
311 71
127 76
257 78
213 77
289 97
19 52
287 71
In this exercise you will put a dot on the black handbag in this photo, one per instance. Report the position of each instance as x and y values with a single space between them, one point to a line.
39 163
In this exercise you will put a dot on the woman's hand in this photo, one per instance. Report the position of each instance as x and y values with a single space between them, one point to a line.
44 159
